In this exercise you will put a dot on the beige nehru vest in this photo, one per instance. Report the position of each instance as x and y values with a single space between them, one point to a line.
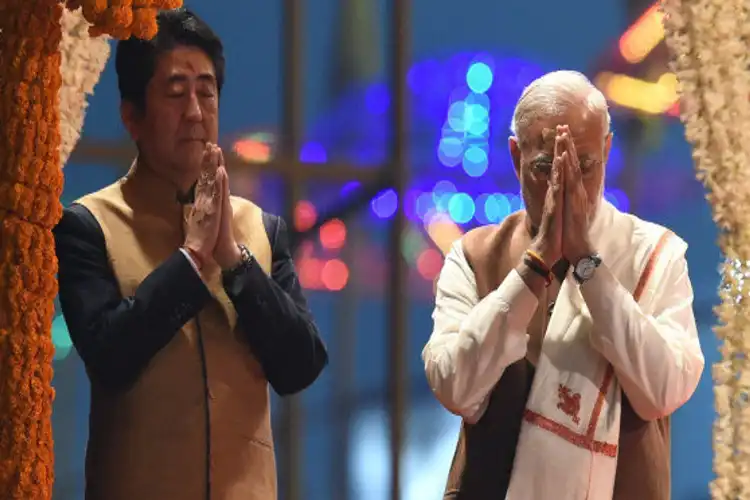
150 443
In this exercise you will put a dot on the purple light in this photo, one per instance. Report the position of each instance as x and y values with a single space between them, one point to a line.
313 152
385 204
377 99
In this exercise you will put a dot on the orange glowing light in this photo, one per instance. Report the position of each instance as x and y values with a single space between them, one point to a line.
643 36
305 215
429 264
333 234
253 151
650 97
443 231
335 275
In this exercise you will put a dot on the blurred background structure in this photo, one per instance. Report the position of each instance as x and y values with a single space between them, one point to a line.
379 127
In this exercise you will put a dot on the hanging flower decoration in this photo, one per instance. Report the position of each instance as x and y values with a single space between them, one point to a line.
708 43
36 136
30 188
123 18
83 60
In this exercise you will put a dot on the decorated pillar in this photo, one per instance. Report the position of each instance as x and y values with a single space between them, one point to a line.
35 79
708 44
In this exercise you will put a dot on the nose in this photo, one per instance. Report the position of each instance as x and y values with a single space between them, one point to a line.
193 111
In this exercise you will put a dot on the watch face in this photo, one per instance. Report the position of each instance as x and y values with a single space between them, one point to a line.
586 267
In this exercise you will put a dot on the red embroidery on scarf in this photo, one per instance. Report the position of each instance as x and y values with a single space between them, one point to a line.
587 440
569 403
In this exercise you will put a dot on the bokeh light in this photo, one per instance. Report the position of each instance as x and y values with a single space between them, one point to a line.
385 204
464 103
305 215
334 275
429 263
479 77
333 234
313 152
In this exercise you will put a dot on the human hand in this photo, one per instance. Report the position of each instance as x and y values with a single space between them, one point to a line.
576 243
202 225
548 241
226 253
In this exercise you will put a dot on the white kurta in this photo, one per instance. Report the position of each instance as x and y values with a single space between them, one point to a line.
654 350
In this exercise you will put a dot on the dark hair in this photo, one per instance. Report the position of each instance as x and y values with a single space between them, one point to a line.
135 59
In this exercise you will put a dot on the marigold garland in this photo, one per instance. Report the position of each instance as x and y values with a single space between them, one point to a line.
31 180
708 43
30 187
123 18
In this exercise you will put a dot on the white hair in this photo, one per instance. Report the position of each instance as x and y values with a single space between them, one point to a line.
551 94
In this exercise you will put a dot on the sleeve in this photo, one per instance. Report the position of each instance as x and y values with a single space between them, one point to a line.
473 341
657 357
276 319
118 336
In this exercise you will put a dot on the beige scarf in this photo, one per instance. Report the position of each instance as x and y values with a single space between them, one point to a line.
567 449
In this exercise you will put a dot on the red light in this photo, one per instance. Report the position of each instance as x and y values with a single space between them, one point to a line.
335 275
429 263
310 271
305 215
333 234
252 151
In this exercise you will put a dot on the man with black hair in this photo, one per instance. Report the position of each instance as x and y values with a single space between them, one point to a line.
182 301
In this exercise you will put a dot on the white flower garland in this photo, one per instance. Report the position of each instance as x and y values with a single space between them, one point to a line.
708 43
83 60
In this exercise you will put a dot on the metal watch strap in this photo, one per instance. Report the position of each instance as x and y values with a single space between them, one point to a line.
246 259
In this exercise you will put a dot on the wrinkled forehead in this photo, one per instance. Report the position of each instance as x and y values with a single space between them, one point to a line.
586 126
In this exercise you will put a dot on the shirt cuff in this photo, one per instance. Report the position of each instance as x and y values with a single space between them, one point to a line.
190 259
519 300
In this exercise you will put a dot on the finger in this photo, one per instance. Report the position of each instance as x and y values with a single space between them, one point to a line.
559 146
553 199
211 158
221 162
570 144
565 167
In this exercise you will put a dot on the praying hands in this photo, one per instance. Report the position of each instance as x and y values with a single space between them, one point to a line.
209 233
563 232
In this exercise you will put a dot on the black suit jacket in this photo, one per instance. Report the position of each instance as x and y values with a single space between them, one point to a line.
117 336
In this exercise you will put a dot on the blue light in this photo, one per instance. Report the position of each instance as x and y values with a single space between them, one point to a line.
615 162
479 77
349 187
312 152
442 193
457 116
476 119
385 204
425 204
377 99
461 208
61 338
496 208
475 161
481 211
410 204
617 198
516 202
450 150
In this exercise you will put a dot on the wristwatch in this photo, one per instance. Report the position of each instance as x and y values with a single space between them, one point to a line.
585 268
246 260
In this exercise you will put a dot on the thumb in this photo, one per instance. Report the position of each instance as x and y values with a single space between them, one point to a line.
225 195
